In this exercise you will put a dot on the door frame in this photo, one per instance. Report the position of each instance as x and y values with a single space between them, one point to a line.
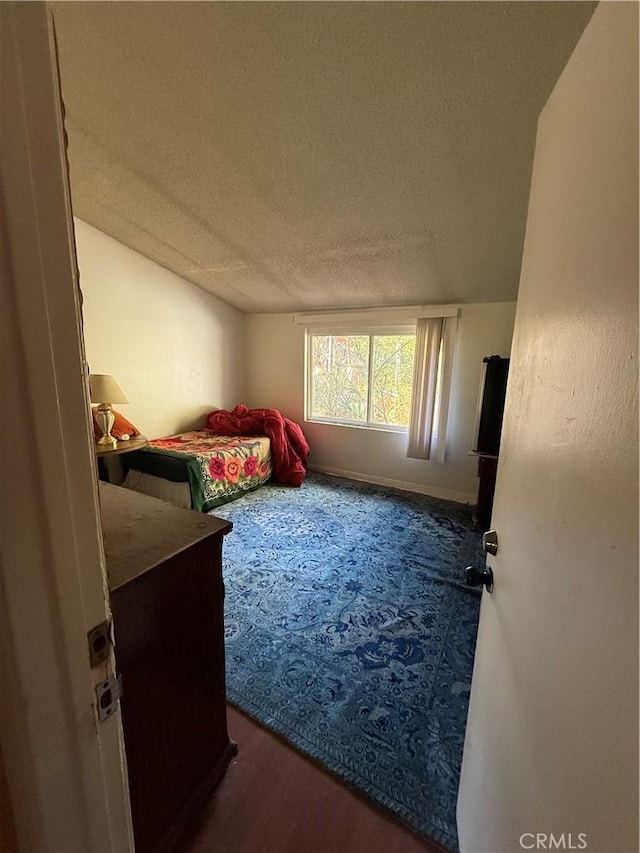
65 771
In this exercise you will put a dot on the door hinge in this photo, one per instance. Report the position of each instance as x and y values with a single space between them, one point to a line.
108 693
99 643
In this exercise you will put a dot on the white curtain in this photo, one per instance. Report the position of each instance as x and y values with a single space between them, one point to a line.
428 336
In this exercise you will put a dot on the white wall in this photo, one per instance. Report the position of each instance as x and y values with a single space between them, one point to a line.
275 378
176 351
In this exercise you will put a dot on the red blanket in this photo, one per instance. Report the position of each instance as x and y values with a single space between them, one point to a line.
289 447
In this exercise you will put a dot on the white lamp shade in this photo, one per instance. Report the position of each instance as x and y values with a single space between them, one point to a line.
105 389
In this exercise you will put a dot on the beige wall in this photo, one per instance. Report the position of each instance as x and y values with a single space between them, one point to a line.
275 377
176 351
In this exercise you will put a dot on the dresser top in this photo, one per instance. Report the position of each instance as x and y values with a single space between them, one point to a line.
141 532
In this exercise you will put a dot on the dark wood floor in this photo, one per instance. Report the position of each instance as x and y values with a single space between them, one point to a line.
273 800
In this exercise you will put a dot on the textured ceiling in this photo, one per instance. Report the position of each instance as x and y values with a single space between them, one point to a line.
301 155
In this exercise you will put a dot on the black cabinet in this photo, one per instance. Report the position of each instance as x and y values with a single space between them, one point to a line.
487 469
488 431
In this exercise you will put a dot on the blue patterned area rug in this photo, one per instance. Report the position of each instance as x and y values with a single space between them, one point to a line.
349 631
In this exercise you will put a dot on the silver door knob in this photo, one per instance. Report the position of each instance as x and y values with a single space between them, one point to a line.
490 542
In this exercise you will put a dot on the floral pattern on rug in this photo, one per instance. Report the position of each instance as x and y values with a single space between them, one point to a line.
349 631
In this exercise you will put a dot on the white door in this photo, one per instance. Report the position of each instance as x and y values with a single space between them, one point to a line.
551 752
66 787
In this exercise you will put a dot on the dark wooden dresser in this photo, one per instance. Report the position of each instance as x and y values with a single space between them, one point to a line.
165 578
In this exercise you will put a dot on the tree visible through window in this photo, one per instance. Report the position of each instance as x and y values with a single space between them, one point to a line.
362 379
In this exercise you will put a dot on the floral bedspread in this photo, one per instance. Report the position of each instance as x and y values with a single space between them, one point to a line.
221 468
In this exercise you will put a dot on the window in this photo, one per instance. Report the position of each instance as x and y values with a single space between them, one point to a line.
386 369
361 379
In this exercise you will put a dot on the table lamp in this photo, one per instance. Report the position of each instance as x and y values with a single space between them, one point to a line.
105 391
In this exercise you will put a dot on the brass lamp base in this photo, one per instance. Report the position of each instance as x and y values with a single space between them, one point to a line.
107 441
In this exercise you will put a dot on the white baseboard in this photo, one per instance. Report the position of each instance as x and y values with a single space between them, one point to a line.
418 488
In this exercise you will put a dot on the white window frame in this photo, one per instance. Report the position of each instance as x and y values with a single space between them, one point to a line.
332 331
371 321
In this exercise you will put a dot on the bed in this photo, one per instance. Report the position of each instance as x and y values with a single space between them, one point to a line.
199 469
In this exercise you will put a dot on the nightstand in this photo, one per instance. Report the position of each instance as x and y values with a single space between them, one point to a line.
121 447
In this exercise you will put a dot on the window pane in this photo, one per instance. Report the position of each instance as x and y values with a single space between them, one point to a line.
339 376
392 378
